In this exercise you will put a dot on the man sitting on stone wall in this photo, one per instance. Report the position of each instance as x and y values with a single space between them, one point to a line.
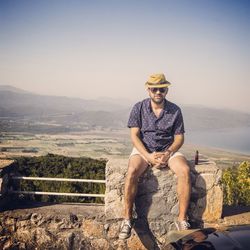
157 133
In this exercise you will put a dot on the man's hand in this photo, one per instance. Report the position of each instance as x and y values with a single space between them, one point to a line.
154 158
162 159
159 159
165 157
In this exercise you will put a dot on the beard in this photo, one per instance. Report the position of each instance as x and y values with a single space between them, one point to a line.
158 100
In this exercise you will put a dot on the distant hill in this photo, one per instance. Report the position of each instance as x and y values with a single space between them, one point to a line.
25 103
24 111
12 89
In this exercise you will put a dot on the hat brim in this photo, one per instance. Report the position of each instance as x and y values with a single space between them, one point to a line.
162 85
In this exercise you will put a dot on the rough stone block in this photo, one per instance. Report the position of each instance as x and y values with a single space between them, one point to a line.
156 203
92 228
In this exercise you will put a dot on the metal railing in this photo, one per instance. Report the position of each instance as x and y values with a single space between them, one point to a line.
56 193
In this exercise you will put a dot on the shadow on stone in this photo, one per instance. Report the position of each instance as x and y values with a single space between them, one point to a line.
147 187
145 234
198 199
10 204
153 198
234 210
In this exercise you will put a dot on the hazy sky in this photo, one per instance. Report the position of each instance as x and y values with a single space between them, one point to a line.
108 48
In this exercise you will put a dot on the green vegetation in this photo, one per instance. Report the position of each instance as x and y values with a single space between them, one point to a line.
62 167
236 185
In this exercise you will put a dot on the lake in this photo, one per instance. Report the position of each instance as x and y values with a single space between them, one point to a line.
231 139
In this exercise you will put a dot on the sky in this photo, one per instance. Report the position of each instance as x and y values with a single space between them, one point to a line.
93 49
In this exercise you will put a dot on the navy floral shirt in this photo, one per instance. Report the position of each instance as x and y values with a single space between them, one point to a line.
157 134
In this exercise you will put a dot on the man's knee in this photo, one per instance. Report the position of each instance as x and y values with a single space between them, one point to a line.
136 167
132 173
185 171
180 167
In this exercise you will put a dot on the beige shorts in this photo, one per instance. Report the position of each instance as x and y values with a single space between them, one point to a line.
136 152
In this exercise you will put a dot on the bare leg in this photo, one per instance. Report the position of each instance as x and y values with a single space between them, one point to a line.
180 167
136 166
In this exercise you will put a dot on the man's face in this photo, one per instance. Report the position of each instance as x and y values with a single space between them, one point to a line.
157 95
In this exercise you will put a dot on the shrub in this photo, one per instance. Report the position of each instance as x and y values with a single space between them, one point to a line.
236 185
63 167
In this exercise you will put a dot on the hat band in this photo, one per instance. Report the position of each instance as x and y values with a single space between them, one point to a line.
160 83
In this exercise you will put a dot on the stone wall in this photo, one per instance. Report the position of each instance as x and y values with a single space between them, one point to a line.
49 231
156 207
6 169
49 227
156 204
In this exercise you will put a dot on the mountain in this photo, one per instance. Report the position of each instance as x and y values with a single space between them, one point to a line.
24 111
17 102
12 89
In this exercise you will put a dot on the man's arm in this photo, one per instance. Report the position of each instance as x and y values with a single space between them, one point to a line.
136 140
178 142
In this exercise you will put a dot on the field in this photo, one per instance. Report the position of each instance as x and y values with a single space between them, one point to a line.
96 144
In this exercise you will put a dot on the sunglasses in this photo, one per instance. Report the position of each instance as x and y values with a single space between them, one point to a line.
162 90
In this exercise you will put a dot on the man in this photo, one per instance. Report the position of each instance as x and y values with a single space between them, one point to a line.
157 133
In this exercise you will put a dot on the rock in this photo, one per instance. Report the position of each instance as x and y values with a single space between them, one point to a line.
70 240
85 245
92 228
135 243
23 224
9 221
156 202
73 218
113 230
7 244
36 218
24 216
3 239
207 197
42 236
22 246
100 244
64 224
120 245
106 227
114 195
24 235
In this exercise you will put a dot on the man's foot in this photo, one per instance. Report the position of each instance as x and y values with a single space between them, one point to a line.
182 225
126 228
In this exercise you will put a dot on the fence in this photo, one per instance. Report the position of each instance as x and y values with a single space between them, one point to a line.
56 193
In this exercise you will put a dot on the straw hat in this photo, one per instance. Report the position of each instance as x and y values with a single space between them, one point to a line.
157 81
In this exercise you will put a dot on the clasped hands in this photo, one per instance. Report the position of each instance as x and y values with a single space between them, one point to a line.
159 159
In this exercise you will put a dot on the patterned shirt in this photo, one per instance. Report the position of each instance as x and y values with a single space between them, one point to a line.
157 134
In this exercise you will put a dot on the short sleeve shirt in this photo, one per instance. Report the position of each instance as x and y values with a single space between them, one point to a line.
157 133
